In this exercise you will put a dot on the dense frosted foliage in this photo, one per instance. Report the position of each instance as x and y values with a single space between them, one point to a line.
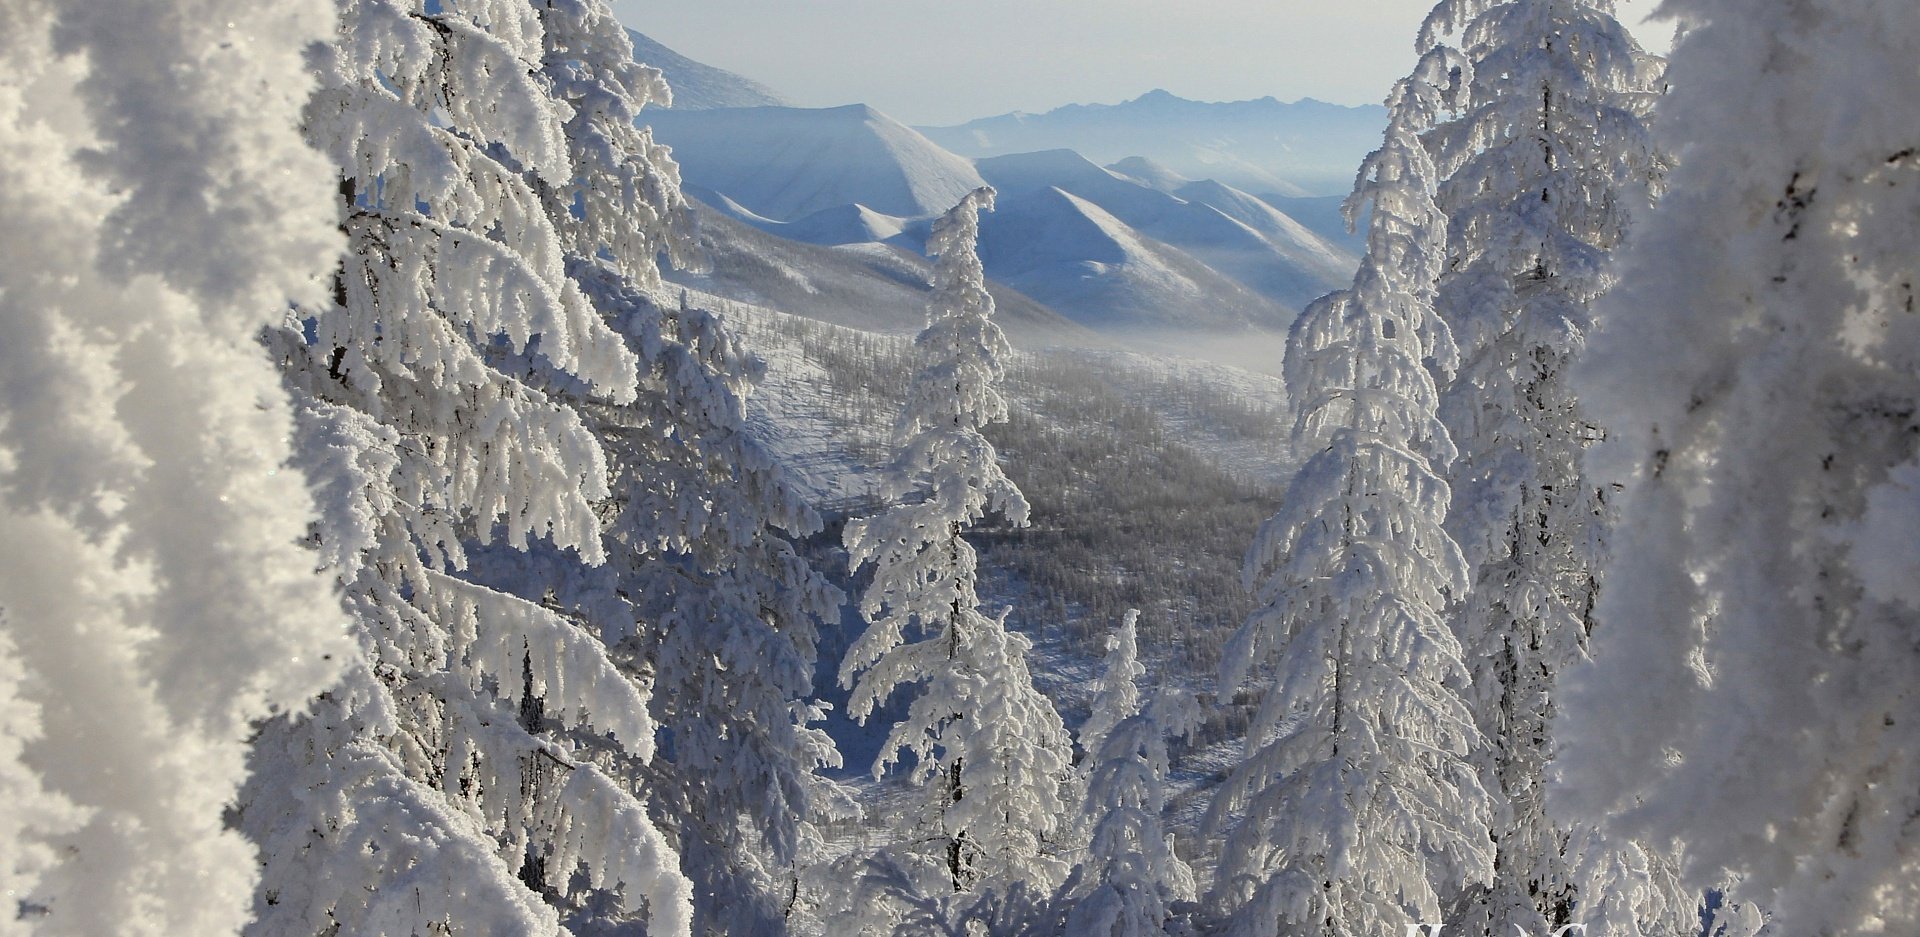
478 770
1547 163
703 512
989 750
148 528
1131 875
1116 694
1753 663
1355 801
699 511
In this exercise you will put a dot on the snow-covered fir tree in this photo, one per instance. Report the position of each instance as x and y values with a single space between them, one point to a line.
990 751
700 512
730 612
1752 668
1546 164
1131 875
1356 801
477 770
160 210
1116 694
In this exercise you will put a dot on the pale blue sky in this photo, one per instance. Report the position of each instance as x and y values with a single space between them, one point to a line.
945 62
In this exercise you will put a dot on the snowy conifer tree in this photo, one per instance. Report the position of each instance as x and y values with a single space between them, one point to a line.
1116 695
990 749
1355 801
729 612
700 511
1549 160
161 209
1131 871
1751 682
478 769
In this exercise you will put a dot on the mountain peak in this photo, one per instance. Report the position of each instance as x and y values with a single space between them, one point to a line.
1261 146
854 112
1159 96
845 155
698 86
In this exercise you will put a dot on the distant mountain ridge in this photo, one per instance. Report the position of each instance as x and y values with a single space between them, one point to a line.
1136 248
785 163
1251 243
698 86
1263 146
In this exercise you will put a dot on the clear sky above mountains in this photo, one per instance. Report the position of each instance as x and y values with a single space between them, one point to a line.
943 63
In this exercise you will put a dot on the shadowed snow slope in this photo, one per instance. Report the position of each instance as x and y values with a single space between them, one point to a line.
1236 234
1306 147
1151 174
785 163
697 86
1080 259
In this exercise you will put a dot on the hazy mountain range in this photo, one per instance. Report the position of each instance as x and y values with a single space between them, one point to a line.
1143 245
1265 146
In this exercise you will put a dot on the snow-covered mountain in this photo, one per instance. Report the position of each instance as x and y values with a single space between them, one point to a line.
698 86
1224 228
875 287
1103 248
1263 146
1142 246
785 163
1074 255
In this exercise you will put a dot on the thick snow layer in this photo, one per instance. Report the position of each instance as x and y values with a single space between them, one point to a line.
153 599
698 86
1306 147
784 163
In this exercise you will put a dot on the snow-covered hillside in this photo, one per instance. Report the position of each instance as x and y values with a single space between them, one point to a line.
785 163
1107 444
1224 228
867 286
1082 260
1101 247
1140 247
1263 146
699 86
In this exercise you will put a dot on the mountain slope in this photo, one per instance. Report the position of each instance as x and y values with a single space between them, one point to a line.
1081 260
1097 246
1307 147
784 163
1228 230
698 86
866 286
1323 215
